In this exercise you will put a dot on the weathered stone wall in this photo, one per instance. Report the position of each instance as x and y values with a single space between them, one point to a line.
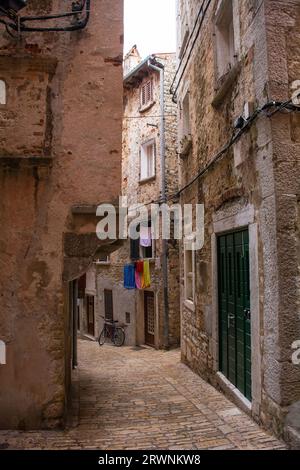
60 146
260 172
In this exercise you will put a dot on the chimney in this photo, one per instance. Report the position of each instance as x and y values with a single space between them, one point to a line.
131 60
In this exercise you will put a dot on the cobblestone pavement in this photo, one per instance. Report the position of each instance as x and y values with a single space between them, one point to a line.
139 398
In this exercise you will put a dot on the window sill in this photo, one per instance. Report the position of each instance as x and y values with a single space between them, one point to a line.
225 84
102 263
147 180
146 107
185 146
190 305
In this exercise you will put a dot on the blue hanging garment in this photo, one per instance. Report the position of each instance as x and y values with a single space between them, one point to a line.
129 276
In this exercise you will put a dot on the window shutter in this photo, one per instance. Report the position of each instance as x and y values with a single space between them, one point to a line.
143 95
146 93
149 91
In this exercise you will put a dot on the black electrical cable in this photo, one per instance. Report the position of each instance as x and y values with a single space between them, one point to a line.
80 25
188 43
55 16
191 51
224 150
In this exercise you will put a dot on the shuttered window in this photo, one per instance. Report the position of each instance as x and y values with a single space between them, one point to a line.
146 93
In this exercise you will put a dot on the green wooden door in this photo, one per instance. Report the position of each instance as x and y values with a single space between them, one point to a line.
234 309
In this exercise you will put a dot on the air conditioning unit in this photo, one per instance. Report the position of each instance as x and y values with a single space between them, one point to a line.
14 5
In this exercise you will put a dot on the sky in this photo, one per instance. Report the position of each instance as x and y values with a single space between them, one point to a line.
151 25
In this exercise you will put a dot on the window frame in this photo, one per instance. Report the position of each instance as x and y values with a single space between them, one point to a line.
189 277
146 93
143 154
104 262
140 251
222 24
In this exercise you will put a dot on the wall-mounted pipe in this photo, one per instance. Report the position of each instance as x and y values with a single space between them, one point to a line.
158 67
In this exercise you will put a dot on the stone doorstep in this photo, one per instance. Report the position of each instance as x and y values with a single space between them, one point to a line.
86 336
234 394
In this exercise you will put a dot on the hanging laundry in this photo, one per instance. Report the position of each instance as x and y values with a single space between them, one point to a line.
139 274
138 280
139 266
145 236
146 281
129 276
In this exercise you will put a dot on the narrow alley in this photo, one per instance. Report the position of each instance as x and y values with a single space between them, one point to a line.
140 398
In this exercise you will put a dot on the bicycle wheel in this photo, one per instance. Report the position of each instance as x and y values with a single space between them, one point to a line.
102 337
119 336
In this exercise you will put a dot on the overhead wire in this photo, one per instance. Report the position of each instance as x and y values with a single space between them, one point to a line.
235 137
204 11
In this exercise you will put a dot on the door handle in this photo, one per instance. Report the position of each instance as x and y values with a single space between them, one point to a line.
230 318
247 313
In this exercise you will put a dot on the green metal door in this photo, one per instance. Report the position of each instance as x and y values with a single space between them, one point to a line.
234 309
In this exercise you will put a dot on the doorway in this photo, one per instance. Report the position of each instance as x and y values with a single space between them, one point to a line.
234 310
149 315
90 312
108 305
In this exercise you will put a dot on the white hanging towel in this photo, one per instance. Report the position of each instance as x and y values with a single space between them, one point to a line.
145 237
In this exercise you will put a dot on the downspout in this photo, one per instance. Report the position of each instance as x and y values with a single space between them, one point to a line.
158 67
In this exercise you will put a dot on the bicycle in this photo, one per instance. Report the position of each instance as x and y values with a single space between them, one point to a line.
112 331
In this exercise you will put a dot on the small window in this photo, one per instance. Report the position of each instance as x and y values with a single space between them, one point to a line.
186 120
2 92
146 93
146 242
137 250
127 315
225 49
103 259
185 36
189 275
147 165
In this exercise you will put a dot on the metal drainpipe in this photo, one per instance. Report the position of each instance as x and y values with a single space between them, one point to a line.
161 71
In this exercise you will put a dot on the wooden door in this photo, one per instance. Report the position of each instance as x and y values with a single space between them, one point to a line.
90 311
108 305
149 312
234 309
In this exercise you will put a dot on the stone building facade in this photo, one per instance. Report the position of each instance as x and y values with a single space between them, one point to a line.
241 292
137 309
60 156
